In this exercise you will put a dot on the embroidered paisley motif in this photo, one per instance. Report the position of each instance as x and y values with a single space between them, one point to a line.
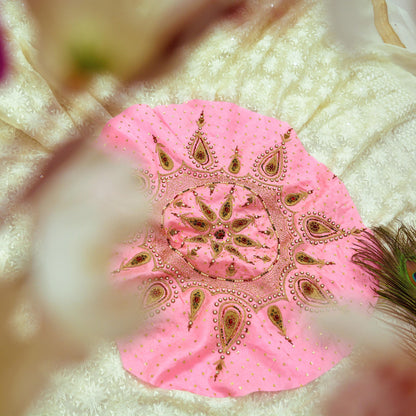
276 318
307 260
244 241
206 210
155 295
165 161
293 199
226 210
232 250
270 165
137 260
239 224
311 292
198 224
231 324
196 299
196 239
200 152
216 248
235 164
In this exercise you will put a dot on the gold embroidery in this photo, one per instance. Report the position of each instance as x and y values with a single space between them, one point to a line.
231 325
286 136
199 147
226 210
206 210
244 241
266 259
222 237
155 295
200 152
220 365
232 250
310 291
197 298
196 239
276 318
193 252
240 224
270 165
231 270
137 260
201 121
321 229
293 199
216 248
318 228
307 260
235 164
164 159
249 201
199 224
180 204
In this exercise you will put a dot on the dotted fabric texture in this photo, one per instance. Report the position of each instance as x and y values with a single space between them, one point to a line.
252 239
355 114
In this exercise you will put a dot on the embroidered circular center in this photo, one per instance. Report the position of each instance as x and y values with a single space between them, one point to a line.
219 235
223 230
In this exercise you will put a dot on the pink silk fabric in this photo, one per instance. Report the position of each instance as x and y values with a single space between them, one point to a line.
252 238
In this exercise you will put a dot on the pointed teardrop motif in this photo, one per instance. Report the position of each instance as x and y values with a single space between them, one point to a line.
209 213
165 160
270 165
196 299
318 229
311 293
244 241
226 210
411 271
154 295
235 164
295 198
199 224
239 224
196 239
231 324
307 260
138 260
216 248
275 316
200 152
234 252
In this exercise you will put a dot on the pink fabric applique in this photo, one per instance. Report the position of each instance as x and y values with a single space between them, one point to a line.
253 237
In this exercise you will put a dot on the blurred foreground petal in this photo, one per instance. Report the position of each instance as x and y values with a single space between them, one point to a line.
3 56
132 39
386 387
83 211
383 381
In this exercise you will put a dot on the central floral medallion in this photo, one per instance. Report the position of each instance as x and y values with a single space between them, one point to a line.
223 230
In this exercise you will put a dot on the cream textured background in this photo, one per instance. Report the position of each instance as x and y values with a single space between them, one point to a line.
355 113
